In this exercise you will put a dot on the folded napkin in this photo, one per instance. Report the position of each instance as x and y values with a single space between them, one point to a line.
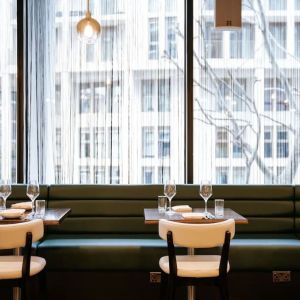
182 208
193 215
23 205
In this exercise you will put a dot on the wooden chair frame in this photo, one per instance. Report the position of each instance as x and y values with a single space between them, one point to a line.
25 281
171 280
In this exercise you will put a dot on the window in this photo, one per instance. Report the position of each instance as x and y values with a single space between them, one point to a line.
221 143
171 46
8 88
147 95
237 150
99 143
275 95
239 175
153 6
164 96
107 39
99 174
297 41
113 143
214 41
278 31
85 147
240 93
114 175
164 142
148 141
109 7
85 99
153 38
85 176
268 142
210 4
282 143
297 4
277 5
148 175
242 42
163 174
221 175
90 49
170 5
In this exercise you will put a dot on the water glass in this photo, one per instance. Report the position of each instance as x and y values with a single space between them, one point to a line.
162 204
40 208
219 207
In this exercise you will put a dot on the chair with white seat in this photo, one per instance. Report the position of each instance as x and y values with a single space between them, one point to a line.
192 270
19 271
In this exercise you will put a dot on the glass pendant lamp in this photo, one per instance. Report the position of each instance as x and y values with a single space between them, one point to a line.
88 28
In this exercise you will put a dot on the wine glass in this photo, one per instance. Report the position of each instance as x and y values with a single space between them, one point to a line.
170 192
205 192
5 191
33 191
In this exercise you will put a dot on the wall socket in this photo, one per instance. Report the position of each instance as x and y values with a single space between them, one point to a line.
155 277
281 276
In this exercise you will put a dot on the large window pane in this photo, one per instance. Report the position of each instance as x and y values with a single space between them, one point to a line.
112 112
246 96
8 90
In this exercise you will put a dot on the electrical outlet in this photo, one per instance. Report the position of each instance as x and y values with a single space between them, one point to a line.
281 276
155 277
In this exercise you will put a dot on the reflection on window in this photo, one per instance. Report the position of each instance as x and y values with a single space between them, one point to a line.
275 95
221 175
164 96
107 39
99 175
85 175
163 174
171 46
214 41
268 142
221 143
278 32
282 143
147 95
163 142
238 175
148 141
85 147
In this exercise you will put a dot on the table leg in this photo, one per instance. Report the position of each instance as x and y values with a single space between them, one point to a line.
16 290
191 289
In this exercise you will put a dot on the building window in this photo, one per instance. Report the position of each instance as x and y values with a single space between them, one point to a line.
239 175
90 53
277 4
85 98
282 143
171 45
268 142
240 93
84 174
210 4
275 95
58 174
147 95
163 174
297 40
110 7
153 6
148 175
153 38
242 42
99 175
114 175
148 141
278 31
113 143
236 150
99 143
163 142
214 41
164 95
297 4
107 38
222 143
85 146
221 175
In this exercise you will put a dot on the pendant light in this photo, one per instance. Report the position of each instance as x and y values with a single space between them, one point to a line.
88 29
228 14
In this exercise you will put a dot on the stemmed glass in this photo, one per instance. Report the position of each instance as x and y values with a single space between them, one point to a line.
33 191
205 192
5 191
170 192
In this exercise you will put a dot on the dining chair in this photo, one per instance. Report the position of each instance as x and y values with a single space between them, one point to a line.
194 270
21 271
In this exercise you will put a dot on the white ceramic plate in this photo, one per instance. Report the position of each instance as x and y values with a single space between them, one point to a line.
12 213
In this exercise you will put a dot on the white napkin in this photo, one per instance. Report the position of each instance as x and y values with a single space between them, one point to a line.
12 213
25 205
193 215
182 208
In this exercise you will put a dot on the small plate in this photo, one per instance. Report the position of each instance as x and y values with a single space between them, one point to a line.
12 213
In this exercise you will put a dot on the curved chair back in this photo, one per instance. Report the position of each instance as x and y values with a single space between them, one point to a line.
197 235
14 235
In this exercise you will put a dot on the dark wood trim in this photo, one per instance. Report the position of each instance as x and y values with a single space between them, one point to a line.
189 95
20 91
27 257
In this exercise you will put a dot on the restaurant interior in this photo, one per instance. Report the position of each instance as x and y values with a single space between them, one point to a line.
149 149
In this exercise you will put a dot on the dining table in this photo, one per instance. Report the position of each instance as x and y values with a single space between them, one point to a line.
52 217
152 216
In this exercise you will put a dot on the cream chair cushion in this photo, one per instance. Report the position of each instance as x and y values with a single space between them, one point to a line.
196 266
11 266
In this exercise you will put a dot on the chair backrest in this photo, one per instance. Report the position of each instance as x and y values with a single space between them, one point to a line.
14 235
197 235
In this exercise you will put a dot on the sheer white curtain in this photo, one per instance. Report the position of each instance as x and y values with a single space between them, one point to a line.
112 112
